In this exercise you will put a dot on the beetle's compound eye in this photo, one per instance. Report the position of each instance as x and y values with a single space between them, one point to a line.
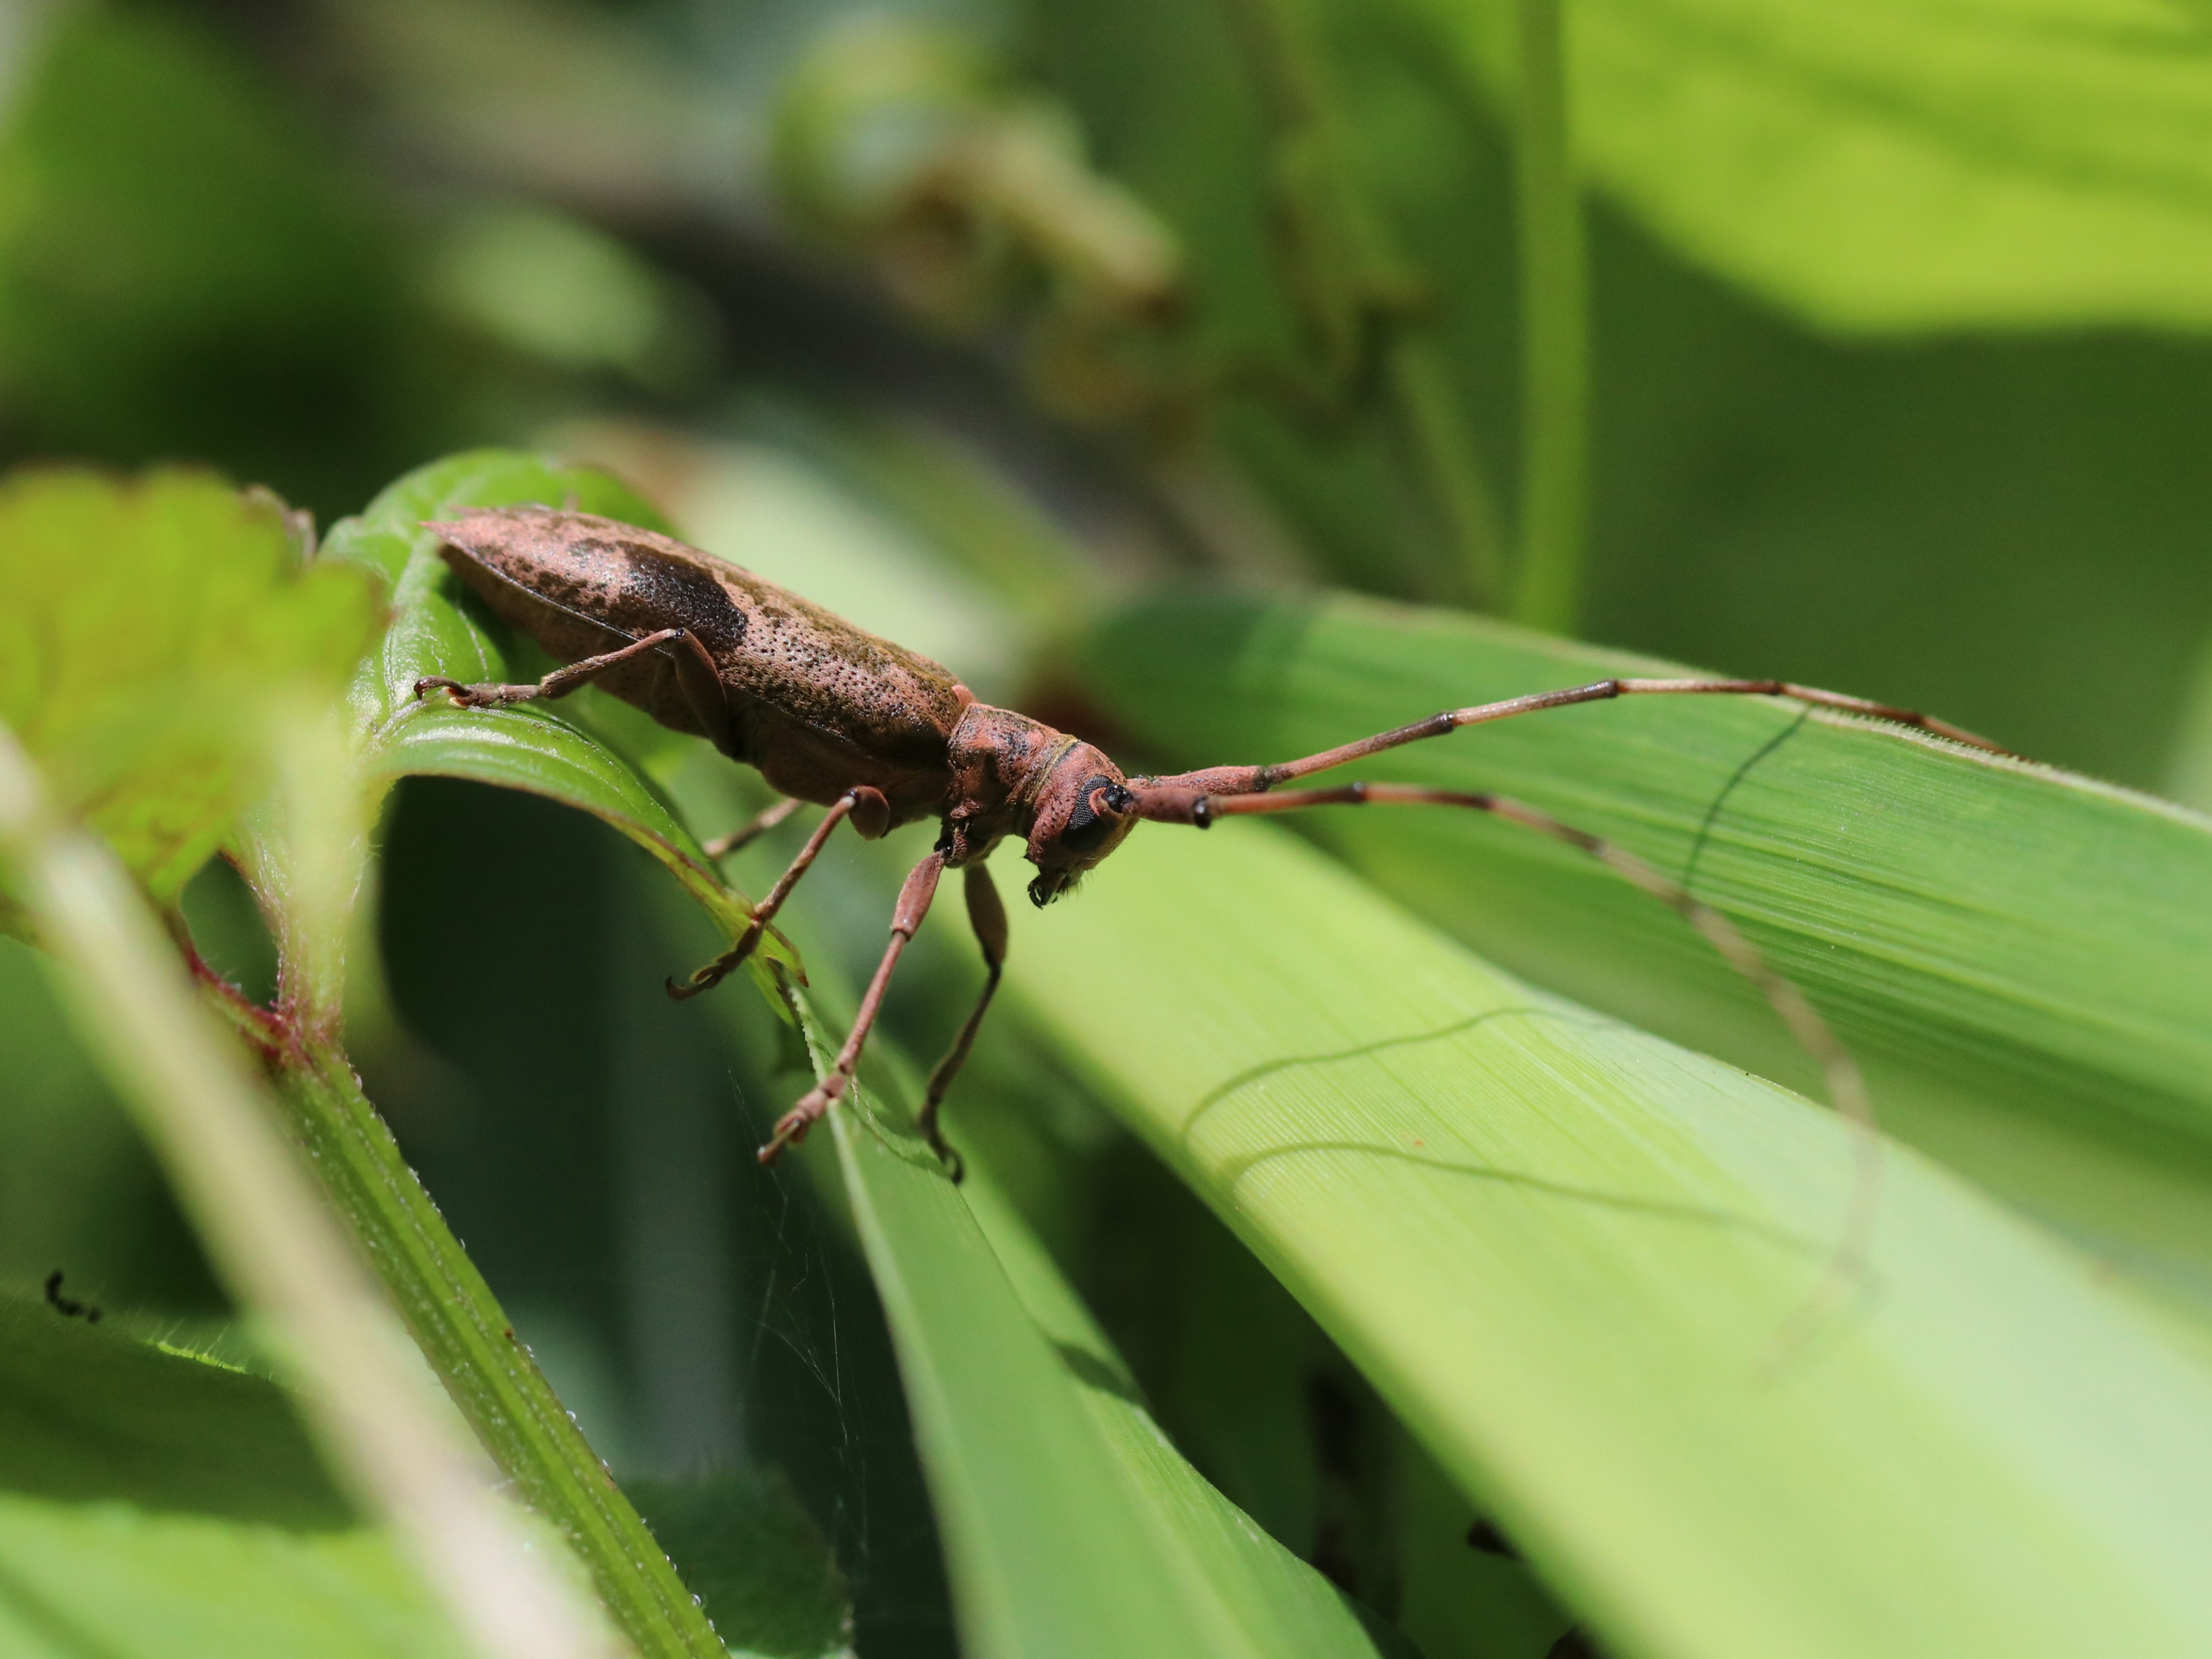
1096 814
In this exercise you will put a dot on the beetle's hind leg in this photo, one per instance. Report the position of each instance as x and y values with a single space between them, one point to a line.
913 905
558 683
988 916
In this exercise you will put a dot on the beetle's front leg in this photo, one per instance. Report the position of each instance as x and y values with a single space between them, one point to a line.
558 683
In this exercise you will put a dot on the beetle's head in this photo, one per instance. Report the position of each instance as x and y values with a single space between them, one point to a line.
1084 808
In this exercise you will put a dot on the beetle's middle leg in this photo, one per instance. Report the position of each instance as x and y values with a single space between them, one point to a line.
988 916
871 815
558 683
913 905
746 834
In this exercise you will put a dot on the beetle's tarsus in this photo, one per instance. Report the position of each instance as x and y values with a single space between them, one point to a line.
474 696
707 978
925 1120
791 1128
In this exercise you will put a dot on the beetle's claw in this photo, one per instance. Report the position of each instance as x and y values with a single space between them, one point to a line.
791 1128
705 980
424 686
720 968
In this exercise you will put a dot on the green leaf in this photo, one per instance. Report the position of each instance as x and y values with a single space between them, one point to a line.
1278 1602
155 1502
527 746
1065 1566
1560 1248
450 1309
2016 953
149 625
1901 165
756 1562
1125 1548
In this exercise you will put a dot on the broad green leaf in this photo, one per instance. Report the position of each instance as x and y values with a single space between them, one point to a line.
1064 1565
148 626
527 746
1123 1547
1565 1250
1901 165
154 1502
2016 953
1280 1604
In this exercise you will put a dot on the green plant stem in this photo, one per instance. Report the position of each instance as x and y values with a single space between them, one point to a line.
1363 305
1448 463
1554 330
470 1344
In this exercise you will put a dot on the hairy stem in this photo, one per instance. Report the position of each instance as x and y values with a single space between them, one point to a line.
1555 333
458 1323
277 1246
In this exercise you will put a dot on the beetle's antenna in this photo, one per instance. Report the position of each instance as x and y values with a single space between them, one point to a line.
1170 801
1252 779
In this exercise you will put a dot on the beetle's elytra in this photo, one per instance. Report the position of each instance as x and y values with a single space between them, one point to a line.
830 714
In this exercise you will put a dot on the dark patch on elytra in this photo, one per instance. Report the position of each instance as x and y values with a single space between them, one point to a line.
684 594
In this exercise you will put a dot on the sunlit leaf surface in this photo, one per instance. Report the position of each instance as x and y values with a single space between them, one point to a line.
153 1503
1125 1547
1901 165
2018 954
1565 1252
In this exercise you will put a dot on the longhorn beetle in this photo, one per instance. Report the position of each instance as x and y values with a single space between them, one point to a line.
885 737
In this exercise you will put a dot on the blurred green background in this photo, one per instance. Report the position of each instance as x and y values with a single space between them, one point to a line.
956 318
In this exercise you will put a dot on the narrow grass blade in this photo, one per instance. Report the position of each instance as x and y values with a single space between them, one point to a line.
1071 1527
1280 1604
1047 1554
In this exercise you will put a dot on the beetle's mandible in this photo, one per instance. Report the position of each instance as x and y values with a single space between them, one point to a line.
833 715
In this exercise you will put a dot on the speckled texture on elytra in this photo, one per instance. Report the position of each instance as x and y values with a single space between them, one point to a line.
815 704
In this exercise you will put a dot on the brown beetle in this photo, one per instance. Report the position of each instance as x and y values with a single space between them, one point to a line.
831 714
